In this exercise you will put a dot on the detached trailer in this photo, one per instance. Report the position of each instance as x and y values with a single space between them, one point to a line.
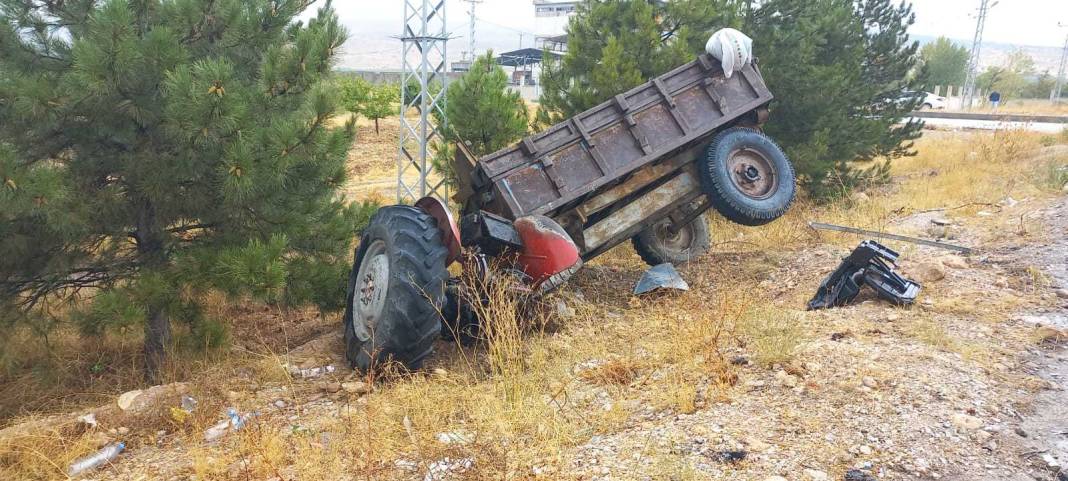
643 166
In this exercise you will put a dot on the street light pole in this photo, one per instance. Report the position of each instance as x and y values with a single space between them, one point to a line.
977 47
1055 95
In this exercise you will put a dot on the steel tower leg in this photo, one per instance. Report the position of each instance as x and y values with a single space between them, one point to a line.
423 84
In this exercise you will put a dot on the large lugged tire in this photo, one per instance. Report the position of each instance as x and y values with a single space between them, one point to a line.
656 245
396 290
747 177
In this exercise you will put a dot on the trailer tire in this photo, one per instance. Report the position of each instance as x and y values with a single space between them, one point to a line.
747 177
655 245
403 251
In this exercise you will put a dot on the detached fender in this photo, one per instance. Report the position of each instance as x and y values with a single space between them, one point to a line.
549 255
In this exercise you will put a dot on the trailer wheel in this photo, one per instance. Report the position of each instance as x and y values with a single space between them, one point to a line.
658 245
747 177
396 289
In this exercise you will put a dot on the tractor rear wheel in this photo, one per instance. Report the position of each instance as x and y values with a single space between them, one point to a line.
396 290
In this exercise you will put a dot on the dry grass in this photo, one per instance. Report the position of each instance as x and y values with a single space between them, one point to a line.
774 334
615 372
1029 106
958 174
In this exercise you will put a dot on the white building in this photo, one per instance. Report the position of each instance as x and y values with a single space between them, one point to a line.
550 21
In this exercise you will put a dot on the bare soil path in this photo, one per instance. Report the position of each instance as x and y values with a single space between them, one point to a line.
1044 431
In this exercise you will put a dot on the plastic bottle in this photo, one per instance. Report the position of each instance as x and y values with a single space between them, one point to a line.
94 461
315 371
217 431
234 421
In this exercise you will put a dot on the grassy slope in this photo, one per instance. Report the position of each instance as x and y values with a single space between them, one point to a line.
547 384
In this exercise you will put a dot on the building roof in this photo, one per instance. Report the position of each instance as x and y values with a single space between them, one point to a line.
523 56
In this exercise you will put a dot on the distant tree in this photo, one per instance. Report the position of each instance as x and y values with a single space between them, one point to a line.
411 92
1041 86
381 102
361 97
946 62
151 151
353 93
1012 78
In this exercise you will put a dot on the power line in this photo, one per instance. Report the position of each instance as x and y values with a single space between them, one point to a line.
525 32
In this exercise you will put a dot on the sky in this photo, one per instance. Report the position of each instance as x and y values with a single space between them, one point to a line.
502 22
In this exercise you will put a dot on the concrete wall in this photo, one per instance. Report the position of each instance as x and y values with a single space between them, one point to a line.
387 76
530 93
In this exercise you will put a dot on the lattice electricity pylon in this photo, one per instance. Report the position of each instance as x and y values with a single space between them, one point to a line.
424 58
973 58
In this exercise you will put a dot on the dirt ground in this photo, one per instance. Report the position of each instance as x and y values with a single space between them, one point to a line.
730 380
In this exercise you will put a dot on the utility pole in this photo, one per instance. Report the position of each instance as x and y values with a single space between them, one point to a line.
470 55
977 47
423 68
1055 95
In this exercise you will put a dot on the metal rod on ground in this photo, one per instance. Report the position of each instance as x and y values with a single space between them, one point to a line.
884 235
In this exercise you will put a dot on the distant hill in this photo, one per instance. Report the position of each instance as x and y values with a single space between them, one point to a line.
994 53
381 50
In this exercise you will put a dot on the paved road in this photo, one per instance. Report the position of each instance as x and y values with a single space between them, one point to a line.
1046 127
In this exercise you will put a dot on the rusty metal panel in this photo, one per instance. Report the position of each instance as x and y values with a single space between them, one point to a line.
659 126
529 186
596 148
576 166
618 144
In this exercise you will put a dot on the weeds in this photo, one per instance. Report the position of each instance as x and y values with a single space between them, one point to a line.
1055 174
773 333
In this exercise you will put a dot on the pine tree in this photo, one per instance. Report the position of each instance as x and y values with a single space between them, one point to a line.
838 69
152 150
486 114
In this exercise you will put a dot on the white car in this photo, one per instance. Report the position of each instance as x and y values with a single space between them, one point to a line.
930 101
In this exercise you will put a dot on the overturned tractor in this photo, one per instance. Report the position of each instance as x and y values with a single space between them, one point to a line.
644 166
